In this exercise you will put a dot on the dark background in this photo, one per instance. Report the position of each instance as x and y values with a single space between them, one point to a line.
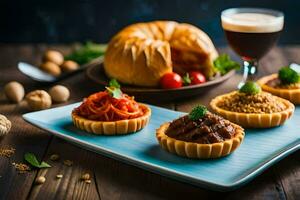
66 21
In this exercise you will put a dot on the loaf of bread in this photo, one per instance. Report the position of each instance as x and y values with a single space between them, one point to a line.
142 53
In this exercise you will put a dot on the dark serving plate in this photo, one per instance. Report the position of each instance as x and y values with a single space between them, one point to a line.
96 74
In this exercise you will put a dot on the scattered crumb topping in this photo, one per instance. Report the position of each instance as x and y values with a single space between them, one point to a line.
289 86
21 167
59 176
86 178
40 180
7 151
276 83
244 103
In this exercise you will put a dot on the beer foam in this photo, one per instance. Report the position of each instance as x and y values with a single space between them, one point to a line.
252 22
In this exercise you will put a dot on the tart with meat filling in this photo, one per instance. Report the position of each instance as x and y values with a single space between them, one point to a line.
111 112
200 134
285 84
252 108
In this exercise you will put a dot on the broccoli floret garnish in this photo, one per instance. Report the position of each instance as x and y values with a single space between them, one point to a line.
250 87
288 75
197 112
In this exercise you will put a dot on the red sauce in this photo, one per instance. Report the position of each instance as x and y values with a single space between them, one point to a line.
102 106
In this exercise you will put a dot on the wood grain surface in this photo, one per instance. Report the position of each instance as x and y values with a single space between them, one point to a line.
112 179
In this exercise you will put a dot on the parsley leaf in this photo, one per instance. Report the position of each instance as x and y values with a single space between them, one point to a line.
224 64
250 88
114 83
198 112
44 165
186 79
288 75
87 53
32 160
114 92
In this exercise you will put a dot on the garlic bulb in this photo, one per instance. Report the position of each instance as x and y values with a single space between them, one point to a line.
14 91
38 100
5 125
59 93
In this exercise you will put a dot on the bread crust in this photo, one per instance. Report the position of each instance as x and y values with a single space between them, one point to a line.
140 54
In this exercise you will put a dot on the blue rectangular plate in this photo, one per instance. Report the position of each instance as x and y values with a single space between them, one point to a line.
260 149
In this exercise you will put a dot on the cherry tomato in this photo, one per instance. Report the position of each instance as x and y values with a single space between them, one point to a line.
196 77
171 81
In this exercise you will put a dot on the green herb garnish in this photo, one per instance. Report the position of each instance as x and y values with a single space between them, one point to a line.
114 92
250 87
288 75
114 89
186 79
197 112
31 159
87 53
114 83
224 64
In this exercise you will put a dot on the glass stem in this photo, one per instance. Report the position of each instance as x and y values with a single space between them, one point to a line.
250 70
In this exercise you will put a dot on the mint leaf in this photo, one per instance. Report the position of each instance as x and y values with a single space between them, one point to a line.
198 112
114 92
32 160
250 88
44 165
114 83
224 64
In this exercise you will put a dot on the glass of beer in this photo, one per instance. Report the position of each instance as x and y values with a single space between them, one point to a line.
251 33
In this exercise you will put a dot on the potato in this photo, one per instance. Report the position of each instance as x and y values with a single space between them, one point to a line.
53 56
69 66
51 68
59 93
14 91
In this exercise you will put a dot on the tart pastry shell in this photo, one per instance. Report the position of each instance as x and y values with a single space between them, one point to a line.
255 120
293 95
196 150
113 127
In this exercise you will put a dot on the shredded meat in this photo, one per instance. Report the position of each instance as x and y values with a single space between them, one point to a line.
207 130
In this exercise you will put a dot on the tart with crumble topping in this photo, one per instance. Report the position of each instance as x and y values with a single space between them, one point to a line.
111 112
285 84
252 108
200 134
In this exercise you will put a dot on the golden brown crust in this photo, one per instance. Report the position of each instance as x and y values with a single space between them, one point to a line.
254 120
292 95
196 150
114 127
140 54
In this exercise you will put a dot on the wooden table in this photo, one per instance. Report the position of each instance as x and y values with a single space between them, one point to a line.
112 179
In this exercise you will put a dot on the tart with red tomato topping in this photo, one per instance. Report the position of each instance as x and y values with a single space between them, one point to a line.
111 112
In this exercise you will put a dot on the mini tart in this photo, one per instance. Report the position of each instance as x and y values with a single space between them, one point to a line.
197 150
254 120
113 127
292 95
